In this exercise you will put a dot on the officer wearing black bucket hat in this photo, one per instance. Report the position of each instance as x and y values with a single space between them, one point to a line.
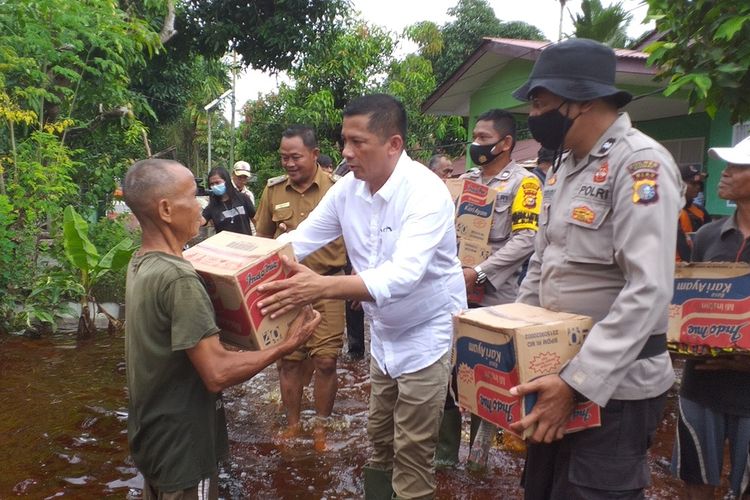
605 248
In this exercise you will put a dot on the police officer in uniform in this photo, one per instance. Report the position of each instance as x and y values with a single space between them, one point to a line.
494 281
516 217
286 201
604 249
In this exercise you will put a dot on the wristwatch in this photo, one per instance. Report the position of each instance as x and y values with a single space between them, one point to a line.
481 275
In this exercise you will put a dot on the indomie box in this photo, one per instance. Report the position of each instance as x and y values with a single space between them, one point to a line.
499 347
471 253
474 209
710 308
233 266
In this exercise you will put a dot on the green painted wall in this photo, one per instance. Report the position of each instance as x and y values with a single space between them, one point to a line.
721 135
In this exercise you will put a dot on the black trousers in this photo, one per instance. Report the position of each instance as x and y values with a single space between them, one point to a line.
355 323
605 462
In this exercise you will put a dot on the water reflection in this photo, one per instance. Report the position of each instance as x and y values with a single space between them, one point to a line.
63 433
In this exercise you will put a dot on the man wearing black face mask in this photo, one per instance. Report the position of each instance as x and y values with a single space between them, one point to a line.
514 226
516 217
605 249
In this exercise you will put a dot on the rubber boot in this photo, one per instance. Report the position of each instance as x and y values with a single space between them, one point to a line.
378 484
480 451
449 439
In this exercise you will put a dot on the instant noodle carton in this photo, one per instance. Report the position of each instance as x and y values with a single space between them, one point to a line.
232 266
710 310
474 209
499 347
471 253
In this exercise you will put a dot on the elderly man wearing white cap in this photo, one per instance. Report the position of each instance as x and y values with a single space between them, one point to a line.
714 401
241 176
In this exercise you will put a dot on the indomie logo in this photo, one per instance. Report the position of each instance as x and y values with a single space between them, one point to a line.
582 414
704 332
268 267
497 406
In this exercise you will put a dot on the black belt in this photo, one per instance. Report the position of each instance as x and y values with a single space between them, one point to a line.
337 270
655 345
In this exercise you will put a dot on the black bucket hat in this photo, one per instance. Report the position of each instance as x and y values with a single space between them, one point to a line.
577 69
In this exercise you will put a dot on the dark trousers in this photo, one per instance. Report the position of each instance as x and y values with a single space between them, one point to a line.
605 462
355 323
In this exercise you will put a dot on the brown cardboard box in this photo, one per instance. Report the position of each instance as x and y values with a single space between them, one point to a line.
499 347
710 310
455 186
233 266
474 209
471 253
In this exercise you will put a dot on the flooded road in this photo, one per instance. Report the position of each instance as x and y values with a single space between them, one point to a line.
63 434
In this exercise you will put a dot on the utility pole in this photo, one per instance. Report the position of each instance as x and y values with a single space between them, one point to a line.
234 100
209 108
559 30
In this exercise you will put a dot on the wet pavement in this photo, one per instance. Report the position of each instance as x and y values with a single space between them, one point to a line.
63 433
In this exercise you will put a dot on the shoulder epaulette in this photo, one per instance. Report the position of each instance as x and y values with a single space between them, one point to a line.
276 180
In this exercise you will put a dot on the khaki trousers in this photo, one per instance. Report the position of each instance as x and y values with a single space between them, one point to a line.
404 423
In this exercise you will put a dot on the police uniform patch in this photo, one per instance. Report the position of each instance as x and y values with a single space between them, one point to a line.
583 213
602 172
648 165
526 205
607 145
530 192
645 187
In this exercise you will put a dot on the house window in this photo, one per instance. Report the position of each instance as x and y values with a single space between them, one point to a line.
686 151
739 132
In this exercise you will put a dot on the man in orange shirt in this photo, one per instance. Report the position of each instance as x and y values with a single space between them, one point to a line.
692 216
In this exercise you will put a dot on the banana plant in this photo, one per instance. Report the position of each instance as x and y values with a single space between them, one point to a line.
85 257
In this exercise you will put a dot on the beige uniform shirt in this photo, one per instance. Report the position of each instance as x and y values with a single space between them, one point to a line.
514 226
281 203
605 248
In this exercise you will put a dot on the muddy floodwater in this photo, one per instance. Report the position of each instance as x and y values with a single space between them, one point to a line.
63 434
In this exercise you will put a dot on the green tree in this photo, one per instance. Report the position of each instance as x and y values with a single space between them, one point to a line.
704 51
475 20
269 35
64 70
605 24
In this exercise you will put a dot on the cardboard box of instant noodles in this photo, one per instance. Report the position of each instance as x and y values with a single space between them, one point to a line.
233 266
710 309
499 347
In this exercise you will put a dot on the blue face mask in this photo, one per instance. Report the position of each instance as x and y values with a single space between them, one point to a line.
219 189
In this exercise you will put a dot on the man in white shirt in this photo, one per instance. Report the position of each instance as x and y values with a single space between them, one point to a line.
397 219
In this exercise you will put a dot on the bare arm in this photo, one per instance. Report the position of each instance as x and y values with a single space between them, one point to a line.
220 368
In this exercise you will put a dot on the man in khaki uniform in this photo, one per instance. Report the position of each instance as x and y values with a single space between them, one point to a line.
605 248
287 201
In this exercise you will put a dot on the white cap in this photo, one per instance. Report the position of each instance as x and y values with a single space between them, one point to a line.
738 155
242 168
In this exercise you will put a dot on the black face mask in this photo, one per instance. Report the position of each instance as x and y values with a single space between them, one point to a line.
549 128
482 155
